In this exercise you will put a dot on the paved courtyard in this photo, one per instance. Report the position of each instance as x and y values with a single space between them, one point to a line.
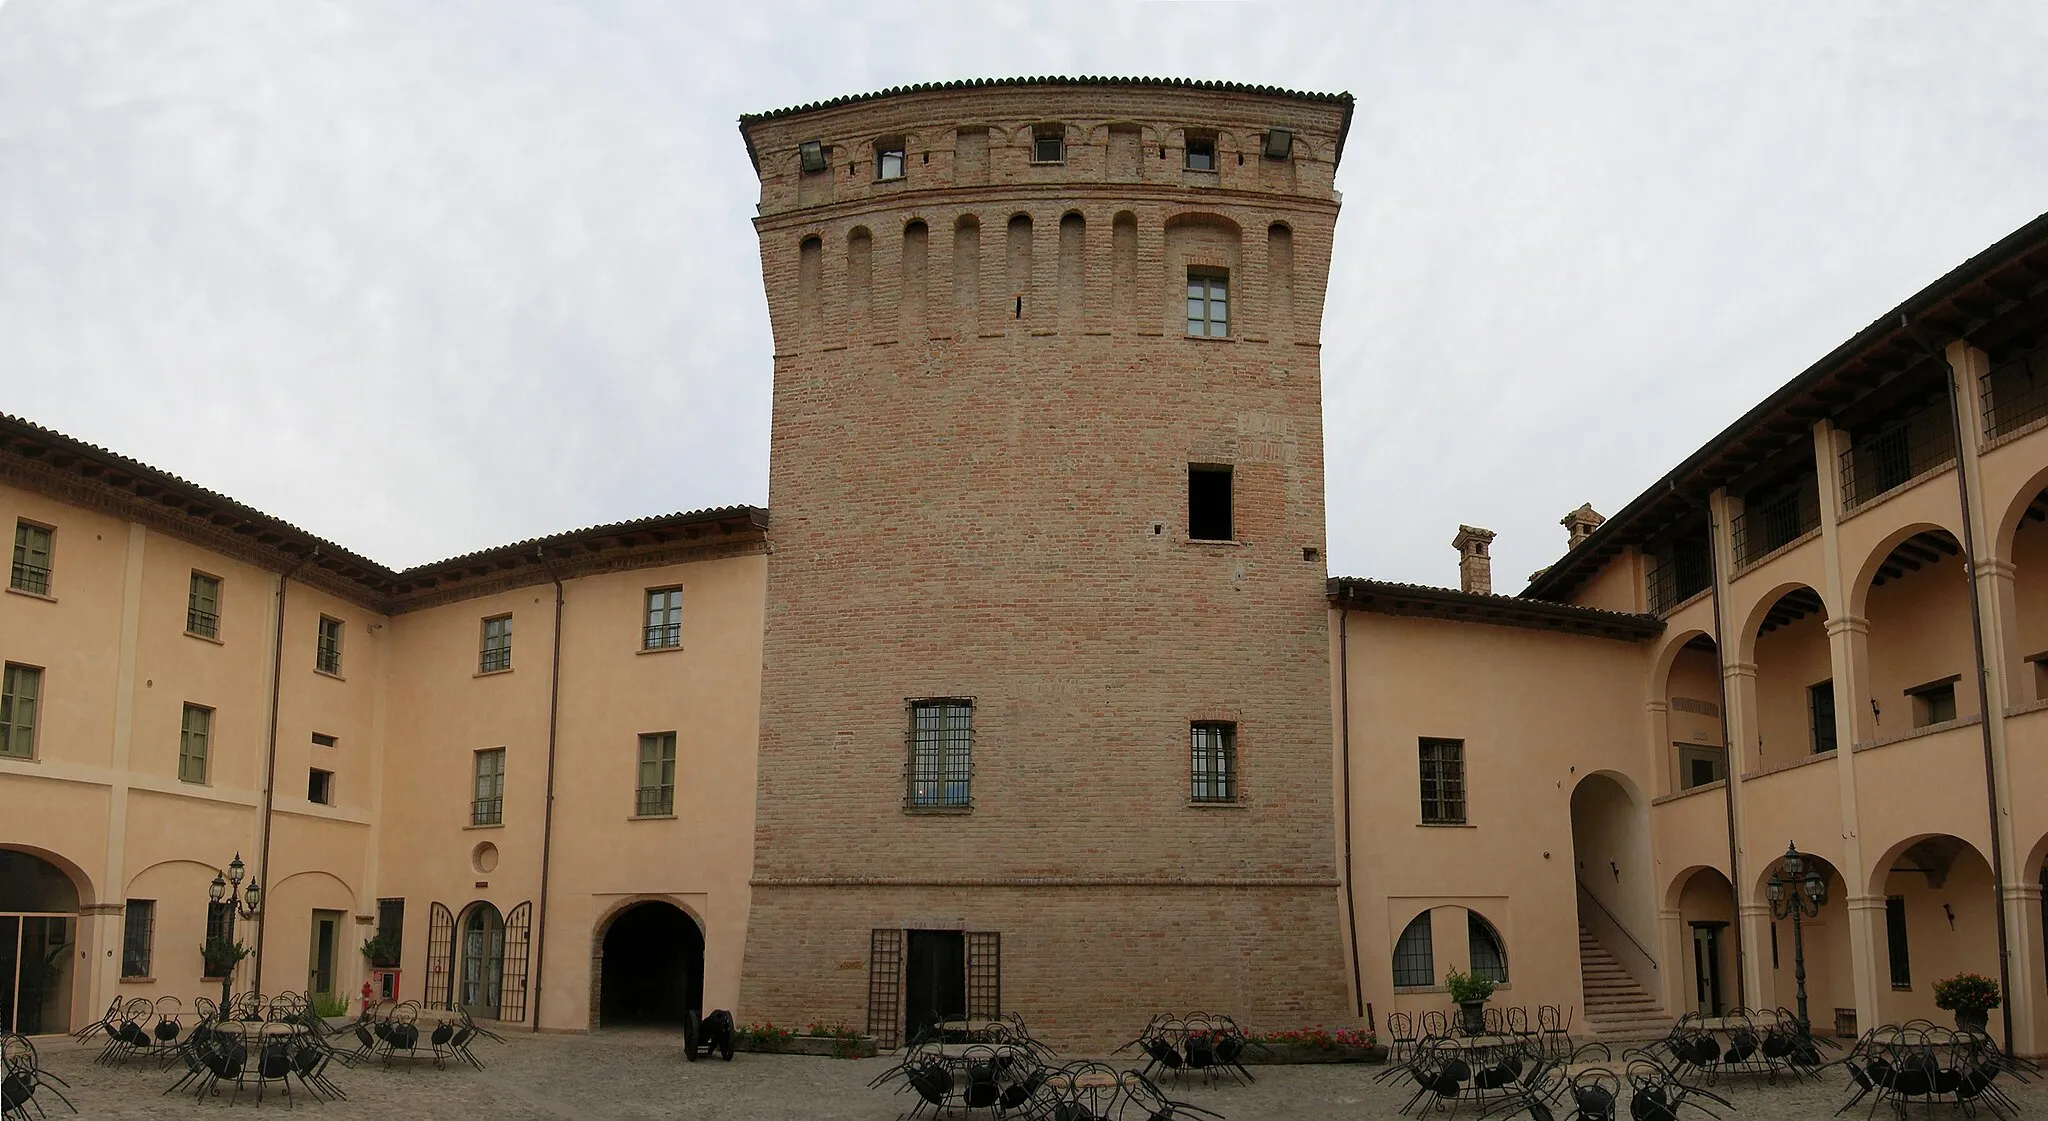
643 1075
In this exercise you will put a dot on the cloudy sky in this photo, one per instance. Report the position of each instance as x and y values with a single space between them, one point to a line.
428 277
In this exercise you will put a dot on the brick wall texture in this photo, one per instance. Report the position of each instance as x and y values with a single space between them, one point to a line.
986 405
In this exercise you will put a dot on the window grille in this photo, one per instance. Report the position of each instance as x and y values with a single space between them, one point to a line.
1770 522
885 987
497 649
1213 771
391 921
218 926
31 571
1049 144
196 729
20 687
664 619
327 651
1414 957
984 975
2015 391
440 957
1443 782
941 754
1895 941
1680 570
202 606
1820 707
657 793
137 935
488 807
1208 304
1896 454
1489 953
512 976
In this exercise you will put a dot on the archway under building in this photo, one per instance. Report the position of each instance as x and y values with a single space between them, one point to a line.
1941 919
38 943
651 966
1705 902
1617 903
1830 978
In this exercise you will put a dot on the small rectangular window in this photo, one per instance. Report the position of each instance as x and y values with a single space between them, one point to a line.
1201 152
941 754
391 923
1208 303
193 733
1209 502
327 651
322 739
1443 781
31 571
1700 764
1895 941
138 935
664 619
656 796
1933 703
20 689
1213 768
889 158
320 786
219 924
497 649
488 806
1049 144
1820 708
202 606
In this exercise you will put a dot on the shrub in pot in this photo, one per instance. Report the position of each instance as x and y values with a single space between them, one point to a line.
1470 992
1971 996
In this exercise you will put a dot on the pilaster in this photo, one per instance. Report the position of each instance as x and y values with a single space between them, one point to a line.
1738 706
106 968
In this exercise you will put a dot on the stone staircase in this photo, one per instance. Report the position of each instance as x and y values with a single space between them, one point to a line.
1617 1009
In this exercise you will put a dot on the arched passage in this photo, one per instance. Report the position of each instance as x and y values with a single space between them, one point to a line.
1918 607
1691 689
651 966
1795 692
1611 859
1706 909
38 937
1941 919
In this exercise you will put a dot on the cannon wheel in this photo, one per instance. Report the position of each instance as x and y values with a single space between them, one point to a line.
725 1048
691 1030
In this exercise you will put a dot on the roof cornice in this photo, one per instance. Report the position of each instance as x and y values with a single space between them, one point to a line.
1421 601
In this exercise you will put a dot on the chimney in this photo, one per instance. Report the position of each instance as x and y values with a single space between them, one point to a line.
1475 564
1580 523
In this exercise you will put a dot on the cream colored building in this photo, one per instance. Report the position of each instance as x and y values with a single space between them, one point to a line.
613 774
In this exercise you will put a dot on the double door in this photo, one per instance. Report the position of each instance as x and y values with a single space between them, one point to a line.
36 952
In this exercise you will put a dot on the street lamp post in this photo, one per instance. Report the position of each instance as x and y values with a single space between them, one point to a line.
240 902
1798 895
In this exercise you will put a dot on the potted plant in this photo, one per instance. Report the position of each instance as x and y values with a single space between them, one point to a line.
1470 993
222 956
1971 996
382 951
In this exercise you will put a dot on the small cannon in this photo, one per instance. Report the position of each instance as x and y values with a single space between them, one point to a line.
711 1033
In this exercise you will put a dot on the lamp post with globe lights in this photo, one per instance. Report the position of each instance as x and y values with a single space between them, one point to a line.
238 902
1797 891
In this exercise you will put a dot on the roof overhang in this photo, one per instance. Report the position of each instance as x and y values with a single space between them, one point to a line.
1419 601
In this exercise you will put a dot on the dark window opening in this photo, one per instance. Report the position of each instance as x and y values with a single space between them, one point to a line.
889 159
1414 957
1443 782
320 786
1489 955
1214 766
1702 773
1895 941
1820 706
1201 151
391 922
322 739
1209 504
1049 144
1933 704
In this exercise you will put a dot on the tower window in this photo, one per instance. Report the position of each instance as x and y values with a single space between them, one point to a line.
1201 152
1209 502
1049 144
1208 303
889 158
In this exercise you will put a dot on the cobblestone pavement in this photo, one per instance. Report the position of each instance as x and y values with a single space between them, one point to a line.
643 1075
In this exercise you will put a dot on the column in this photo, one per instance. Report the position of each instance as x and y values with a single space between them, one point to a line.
1867 949
1738 703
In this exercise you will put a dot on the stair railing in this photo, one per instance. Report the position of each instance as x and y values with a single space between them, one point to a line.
1634 963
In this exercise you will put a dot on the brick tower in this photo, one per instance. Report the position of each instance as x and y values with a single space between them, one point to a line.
1045 713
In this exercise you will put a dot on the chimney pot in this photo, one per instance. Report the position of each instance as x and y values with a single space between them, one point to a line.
1580 524
1475 560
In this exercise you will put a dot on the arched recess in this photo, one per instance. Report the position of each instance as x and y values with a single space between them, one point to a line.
1941 919
2023 542
480 960
1611 861
1688 680
1204 251
646 964
1786 638
1830 983
1919 640
1705 902
40 895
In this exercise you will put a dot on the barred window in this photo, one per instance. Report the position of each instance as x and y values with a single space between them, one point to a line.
1414 957
327 651
202 606
20 687
391 921
657 793
1489 953
941 753
1213 769
1895 941
194 732
1443 782
31 571
497 651
664 619
137 935
488 807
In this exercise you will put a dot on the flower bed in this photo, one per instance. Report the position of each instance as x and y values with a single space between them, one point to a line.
829 1040
1315 1045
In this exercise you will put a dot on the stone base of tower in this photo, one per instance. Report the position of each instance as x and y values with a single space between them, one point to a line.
1085 966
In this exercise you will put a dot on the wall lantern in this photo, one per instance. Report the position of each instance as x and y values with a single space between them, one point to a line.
1279 143
812 155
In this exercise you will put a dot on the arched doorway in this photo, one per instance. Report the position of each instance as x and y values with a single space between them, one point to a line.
1706 908
1616 903
652 966
38 936
482 969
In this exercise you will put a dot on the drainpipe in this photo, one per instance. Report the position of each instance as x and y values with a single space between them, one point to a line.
1955 417
547 827
1344 737
1727 742
270 760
